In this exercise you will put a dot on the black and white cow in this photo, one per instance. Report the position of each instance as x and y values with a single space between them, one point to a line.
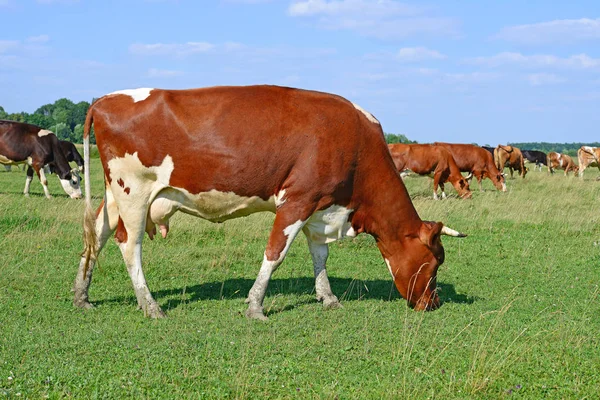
536 157
71 154
22 143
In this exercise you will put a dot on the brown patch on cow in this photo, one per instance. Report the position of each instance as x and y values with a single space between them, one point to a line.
120 182
121 233
127 190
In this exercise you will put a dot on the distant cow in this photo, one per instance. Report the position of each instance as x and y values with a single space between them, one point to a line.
511 157
316 160
490 149
426 159
25 143
588 157
561 161
72 155
539 158
477 161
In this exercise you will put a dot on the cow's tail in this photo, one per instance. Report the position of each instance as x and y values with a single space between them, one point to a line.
89 219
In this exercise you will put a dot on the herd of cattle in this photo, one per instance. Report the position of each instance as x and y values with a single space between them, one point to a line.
445 162
316 160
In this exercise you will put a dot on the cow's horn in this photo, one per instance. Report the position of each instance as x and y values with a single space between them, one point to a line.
451 232
469 176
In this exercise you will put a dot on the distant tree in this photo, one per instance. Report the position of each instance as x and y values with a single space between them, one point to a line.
393 138
77 136
62 131
3 114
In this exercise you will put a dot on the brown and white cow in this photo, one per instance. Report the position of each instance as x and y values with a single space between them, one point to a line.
561 161
22 143
588 157
477 162
426 159
511 157
316 160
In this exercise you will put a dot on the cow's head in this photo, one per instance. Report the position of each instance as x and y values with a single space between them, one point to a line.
498 180
415 262
463 189
71 184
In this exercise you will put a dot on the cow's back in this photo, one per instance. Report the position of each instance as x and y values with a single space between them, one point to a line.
248 140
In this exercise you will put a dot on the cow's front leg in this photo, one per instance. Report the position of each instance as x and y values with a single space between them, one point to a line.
319 253
285 229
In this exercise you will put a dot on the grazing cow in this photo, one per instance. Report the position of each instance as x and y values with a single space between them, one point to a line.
561 161
316 160
71 154
425 159
511 157
25 143
536 157
588 157
477 162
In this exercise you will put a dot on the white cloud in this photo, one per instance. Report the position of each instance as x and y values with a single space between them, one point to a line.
6 45
367 8
163 73
415 54
38 39
471 77
557 31
383 19
577 61
171 49
542 78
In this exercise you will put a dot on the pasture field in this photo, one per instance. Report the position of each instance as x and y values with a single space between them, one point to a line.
520 315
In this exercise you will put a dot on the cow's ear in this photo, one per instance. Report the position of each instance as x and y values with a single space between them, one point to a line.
430 233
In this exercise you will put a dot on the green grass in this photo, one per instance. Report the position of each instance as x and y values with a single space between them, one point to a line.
519 315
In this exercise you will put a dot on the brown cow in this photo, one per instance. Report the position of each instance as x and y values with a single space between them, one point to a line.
316 160
511 157
588 157
477 162
426 159
561 161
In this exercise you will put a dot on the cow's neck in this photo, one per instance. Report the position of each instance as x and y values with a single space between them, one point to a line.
388 214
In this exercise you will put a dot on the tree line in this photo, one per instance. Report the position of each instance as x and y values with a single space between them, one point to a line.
63 117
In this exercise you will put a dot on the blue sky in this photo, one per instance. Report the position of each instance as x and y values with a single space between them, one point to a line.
462 71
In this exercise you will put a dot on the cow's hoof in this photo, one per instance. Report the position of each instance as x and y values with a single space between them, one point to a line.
247 301
331 303
256 314
154 312
86 305
26 194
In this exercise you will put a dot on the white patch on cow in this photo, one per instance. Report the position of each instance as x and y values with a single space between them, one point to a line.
387 262
504 186
45 132
329 225
7 161
279 198
140 94
71 187
367 114
589 149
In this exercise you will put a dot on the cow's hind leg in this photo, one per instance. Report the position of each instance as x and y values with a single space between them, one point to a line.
107 216
287 225
28 180
42 175
134 221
